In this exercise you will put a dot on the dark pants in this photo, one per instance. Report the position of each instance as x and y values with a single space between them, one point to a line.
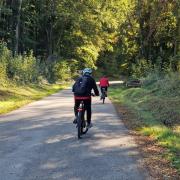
104 88
87 106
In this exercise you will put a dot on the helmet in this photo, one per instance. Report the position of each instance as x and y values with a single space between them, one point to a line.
87 71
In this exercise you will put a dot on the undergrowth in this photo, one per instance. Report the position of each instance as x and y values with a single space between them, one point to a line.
157 107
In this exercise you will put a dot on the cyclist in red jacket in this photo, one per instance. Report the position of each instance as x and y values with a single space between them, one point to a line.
104 83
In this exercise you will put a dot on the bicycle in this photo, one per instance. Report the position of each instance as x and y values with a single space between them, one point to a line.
103 94
81 122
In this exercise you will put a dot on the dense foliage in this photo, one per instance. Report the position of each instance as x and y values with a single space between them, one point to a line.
117 37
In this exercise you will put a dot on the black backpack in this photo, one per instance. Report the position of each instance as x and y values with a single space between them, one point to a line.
80 86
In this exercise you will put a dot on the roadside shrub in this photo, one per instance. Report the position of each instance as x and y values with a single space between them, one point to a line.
162 96
167 83
170 84
24 69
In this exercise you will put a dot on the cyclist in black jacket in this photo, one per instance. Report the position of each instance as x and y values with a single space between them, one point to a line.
86 96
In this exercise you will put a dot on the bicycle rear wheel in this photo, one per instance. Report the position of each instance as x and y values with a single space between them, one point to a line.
79 124
103 100
103 97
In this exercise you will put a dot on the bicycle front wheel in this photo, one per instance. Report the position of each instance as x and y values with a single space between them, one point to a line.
84 128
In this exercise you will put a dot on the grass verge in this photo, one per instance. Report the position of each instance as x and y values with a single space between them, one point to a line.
13 97
150 107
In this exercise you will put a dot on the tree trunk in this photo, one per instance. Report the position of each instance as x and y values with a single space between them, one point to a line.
141 32
18 27
51 33
177 34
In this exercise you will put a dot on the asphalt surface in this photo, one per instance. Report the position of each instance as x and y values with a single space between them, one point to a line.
39 142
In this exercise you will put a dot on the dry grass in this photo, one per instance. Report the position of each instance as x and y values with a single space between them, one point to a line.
13 96
153 154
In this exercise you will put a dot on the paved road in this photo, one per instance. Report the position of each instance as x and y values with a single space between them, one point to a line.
38 142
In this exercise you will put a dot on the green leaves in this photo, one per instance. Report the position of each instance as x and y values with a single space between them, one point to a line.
95 33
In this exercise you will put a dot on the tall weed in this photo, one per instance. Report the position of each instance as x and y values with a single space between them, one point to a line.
5 56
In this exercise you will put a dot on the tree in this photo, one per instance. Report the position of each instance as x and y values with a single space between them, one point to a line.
18 27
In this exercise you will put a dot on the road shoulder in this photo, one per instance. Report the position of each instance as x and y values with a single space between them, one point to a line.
152 154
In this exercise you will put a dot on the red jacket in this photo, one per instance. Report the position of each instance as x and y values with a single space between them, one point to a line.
104 82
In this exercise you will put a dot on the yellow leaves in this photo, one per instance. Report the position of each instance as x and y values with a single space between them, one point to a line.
124 65
89 54
78 33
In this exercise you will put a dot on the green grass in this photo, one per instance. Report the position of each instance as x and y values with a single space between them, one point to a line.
13 97
152 104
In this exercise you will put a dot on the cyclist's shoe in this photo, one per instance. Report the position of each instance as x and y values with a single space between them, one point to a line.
75 121
89 125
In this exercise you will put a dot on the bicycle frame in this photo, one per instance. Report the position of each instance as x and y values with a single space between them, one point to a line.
81 106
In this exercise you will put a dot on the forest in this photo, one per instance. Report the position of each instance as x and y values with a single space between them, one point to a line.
45 43
53 39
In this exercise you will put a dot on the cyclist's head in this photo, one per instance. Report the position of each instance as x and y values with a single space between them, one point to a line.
87 71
